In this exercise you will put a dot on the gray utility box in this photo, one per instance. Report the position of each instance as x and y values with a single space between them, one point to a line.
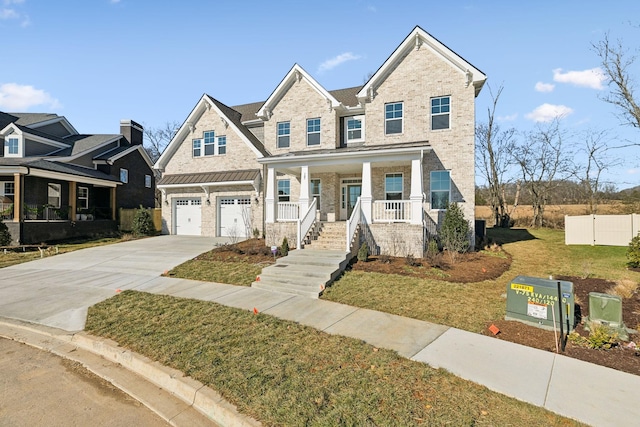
605 309
535 301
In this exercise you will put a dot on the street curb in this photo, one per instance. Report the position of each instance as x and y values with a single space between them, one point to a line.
196 395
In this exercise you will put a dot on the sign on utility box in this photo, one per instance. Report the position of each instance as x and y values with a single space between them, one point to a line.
535 301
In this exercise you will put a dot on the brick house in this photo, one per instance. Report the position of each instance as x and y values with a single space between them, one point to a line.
57 184
383 159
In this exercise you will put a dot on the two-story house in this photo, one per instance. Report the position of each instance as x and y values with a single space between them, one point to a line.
57 184
383 159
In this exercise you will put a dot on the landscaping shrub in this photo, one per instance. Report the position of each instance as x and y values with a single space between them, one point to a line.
142 223
363 252
600 337
633 252
5 236
411 261
284 249
455 231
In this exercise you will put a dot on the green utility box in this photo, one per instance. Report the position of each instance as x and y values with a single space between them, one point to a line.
534 301
605 309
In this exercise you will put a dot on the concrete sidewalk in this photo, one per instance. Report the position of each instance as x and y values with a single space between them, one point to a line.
57 292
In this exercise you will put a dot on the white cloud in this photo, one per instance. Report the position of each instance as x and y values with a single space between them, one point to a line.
114 1
372 8
548 112
8 14
509 118
544 87
633 171
592 78
332 63
15 97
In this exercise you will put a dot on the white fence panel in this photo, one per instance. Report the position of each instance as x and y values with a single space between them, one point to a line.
578 230
636 224
612 230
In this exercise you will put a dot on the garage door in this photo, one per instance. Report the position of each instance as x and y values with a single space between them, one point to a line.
235 216
188 214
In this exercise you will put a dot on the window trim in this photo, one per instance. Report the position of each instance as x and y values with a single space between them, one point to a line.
387 120
83 201
361 118
124 175
314 132
448 113
432 191
147 181
8 184
58 187
316 195
387 192
283 135
218 145
284 195
18 146
209 141
197 141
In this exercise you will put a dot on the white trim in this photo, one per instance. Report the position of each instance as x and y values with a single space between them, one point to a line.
32 137
384 118
83 198
401 182
360 117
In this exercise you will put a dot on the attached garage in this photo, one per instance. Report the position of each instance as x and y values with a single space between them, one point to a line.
188 216
234 216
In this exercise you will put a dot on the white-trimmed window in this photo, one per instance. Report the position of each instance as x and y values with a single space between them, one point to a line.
12 146
209 138
354 129
9 189
393 114
197 147
440 184
147 181
284 134
316 190
54 195
440 112
83 197
222 145
124 175
313 131
393 186
284 190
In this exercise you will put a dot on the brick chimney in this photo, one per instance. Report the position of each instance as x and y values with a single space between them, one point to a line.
132 131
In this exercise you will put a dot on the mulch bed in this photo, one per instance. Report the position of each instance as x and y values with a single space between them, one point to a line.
252 251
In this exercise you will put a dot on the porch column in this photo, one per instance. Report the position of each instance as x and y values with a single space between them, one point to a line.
113 203
72 200
270 199
416 192
17 198
366 197
303 201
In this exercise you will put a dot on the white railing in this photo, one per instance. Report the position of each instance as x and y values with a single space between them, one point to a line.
352 224
288 211
306 222
391 211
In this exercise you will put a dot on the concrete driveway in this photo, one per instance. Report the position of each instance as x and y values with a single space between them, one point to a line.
57 291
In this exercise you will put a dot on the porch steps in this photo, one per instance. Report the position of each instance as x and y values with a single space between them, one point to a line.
329 236
304 272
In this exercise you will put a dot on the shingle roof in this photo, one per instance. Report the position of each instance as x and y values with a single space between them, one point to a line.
111 153
346 97
248 111
53 166
27 119
209 177
6 118
81 143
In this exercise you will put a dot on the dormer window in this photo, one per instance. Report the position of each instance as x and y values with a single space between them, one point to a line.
354 129
12 146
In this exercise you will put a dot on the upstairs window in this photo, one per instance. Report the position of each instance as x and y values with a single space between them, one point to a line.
284 133
209 138
83 197
313 131
124 175
393 118
440 110
54 195
147 181
354 129
11 146
222 145
197 147
393 186
284 190
440 183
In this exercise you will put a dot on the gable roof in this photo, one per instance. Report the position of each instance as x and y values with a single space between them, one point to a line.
230 117
36 120
248 111
296 73
418 39
119 152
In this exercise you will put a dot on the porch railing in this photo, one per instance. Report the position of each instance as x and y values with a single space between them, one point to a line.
6 211
46 213
352 224
306 222
391 211
288 211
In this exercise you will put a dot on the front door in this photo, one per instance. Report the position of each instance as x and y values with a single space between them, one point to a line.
349 196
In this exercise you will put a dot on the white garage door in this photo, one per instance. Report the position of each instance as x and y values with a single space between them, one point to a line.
188 215
235 216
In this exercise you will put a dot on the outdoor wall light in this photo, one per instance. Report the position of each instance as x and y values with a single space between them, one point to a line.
208 202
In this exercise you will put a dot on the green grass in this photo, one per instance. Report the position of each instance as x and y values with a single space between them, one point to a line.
232 273
283 373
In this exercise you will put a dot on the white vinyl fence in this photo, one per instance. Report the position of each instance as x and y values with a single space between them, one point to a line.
605 230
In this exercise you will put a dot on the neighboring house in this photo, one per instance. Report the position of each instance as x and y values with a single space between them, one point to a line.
56 183
385 158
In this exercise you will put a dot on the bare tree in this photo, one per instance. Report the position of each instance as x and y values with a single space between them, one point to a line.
589 172
616 62
157 139
543 161
494 149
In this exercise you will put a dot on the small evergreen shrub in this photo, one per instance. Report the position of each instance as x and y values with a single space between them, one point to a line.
5 236
142 223
633 252
284 249
363 252
455 231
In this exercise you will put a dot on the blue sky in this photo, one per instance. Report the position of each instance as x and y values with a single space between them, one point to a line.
99 61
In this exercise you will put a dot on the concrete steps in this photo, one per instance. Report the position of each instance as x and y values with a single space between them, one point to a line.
304 272
329 236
